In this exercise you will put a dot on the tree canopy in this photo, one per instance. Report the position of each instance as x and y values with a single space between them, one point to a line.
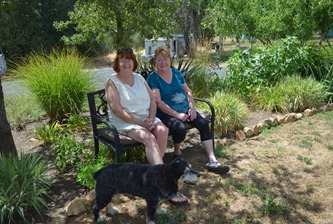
119 20
270 19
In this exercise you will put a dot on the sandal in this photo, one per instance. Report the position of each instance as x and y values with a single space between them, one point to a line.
217 167
178 199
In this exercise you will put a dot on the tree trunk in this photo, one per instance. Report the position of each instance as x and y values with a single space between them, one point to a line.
7 144
195 29
187 34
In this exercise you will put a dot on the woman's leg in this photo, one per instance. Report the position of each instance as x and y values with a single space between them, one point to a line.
161 133
207 140
208 144
148 139
177 129
205 135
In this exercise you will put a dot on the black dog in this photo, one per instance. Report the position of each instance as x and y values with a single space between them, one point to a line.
152 183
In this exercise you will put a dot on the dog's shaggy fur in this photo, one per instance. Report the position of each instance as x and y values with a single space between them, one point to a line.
152 183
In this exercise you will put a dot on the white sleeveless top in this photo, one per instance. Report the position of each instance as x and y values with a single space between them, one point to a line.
134 100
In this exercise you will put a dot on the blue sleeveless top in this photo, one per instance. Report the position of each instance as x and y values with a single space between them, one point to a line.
172 94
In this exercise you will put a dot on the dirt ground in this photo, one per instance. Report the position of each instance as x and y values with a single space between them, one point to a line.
291 162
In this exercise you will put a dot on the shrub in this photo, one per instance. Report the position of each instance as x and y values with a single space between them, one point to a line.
87 168
292 94
230 112
49 132
68 152
24 186
272 100
301 94
320 66
75 123
59 80
248 74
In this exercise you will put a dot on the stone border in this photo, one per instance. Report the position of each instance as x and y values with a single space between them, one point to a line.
273 121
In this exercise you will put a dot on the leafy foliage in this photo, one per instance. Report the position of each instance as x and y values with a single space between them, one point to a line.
230 112
75 123
49 132
24 186
68 152
87 168
267 20
292 94
100 19
248 74
59 81
28 25
320 66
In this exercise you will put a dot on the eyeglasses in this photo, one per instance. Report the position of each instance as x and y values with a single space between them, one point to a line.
125 50
123 61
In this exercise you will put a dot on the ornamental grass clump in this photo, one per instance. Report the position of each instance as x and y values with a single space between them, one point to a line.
293 94
59 80
230 112
302 93
24 187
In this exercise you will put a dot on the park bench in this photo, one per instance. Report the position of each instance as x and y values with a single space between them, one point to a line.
104 131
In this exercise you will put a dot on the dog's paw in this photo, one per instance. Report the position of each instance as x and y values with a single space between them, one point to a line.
149 221
100 219
161 210
112 210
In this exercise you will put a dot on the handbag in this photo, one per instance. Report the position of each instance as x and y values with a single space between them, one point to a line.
3 64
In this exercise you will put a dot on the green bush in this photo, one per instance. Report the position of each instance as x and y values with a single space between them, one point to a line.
68 152
75 123
293 94
249 73
59 80
320 66
230 112
88 167
24 186
49 132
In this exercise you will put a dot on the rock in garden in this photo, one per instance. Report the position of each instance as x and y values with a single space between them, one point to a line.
290 117
76 207
299 116
248 132
227 141
257 129
280 119
240 135
308 112
58 218
90 197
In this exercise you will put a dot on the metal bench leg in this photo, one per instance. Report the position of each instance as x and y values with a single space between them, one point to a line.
96 144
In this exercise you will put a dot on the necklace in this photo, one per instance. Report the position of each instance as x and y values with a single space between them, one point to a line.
126 80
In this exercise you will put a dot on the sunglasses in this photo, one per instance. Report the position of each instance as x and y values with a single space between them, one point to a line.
125 50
